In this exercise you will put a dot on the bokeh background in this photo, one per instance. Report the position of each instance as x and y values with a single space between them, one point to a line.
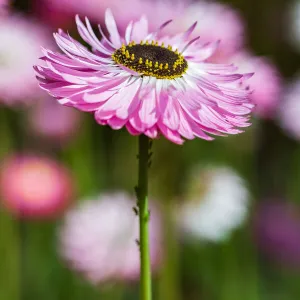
225 221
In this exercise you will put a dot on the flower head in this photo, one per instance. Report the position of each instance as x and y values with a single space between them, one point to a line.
150 83
19 49
216 203
98 238
34 187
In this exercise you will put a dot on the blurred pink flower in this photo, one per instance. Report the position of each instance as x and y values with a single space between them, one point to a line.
265 83
277 231
19 49
54 121
216 21
138 82
3 6
98 238
34 187
52 14
289 111
125 11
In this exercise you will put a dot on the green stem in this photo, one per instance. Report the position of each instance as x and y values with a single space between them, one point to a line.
142 195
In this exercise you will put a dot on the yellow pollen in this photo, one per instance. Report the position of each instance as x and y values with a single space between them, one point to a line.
151 58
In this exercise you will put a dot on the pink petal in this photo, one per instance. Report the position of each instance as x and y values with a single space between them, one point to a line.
112 29
139 30
116 123
171 135
152 132
148 111
132 130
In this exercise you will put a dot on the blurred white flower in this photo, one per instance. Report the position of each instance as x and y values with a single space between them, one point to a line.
216 203
289 112
98 238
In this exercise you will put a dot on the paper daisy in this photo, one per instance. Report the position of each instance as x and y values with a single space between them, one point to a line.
150 83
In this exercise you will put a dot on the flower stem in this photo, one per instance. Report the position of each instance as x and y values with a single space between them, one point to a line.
144 216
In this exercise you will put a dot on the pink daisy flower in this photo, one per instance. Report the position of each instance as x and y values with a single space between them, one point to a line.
266 82
98 237
150 83
34 187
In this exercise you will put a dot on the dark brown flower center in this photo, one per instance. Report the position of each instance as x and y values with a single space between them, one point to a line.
151 59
